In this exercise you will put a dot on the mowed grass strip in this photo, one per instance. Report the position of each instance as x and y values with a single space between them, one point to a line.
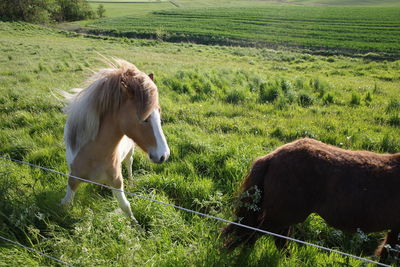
347 29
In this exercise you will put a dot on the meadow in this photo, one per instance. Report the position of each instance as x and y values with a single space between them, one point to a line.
123 9
313 29
222 106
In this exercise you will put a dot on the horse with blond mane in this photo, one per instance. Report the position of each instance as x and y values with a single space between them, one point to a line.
350 190
117 110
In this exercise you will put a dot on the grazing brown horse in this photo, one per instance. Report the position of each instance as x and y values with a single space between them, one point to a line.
117 110
350 190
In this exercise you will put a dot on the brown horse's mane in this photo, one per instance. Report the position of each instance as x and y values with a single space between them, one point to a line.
106 90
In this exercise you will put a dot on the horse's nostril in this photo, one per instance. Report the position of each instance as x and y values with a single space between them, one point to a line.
162 158
154 158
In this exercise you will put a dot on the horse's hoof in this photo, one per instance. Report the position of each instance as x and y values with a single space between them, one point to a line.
137 226
64 204
134 222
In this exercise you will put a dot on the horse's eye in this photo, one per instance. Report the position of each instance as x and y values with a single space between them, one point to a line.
147 120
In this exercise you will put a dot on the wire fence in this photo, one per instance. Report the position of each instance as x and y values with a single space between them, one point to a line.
197 213
36 251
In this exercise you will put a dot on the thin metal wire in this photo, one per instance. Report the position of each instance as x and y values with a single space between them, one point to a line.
202 214
36 251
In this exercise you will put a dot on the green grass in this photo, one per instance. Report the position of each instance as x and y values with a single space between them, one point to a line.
136 9
345 30
222 107
346 2
264 2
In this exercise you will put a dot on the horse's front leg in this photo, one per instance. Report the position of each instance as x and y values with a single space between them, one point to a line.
72 186
128 162
126 148
122 201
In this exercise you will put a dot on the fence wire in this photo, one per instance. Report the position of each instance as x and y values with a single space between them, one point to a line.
36 251
202 214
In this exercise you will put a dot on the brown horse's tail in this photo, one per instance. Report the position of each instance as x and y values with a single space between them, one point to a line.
248 210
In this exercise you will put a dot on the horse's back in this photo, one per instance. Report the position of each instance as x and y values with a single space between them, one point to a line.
319 158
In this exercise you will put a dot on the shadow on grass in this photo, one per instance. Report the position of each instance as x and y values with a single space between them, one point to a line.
30 220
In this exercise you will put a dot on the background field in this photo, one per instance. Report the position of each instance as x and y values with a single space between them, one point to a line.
137 9
115 8
330 29
263 2
222 107
310 27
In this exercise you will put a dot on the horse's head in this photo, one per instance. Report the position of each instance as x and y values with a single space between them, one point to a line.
139 114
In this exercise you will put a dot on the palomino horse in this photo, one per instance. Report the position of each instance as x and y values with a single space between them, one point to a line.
117 110
350 190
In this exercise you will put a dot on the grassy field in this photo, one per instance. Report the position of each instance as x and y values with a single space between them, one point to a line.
263 2
136 9
344 2
222 107
116 8
316 29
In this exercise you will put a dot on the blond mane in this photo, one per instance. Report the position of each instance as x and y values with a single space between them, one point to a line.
107 88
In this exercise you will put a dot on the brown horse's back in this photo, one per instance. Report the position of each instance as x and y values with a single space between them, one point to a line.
349 189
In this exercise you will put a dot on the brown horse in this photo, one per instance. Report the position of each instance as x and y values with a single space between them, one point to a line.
118 109
350 190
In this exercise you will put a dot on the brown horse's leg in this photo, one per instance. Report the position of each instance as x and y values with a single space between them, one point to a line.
274 227
391 239
242 236
281 243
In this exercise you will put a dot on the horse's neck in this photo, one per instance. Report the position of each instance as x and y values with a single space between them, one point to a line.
99 156
108 137
104 148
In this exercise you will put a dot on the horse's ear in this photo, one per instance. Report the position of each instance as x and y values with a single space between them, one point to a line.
123 83
125 88
151 75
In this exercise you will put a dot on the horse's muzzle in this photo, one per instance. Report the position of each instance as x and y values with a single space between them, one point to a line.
159 159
